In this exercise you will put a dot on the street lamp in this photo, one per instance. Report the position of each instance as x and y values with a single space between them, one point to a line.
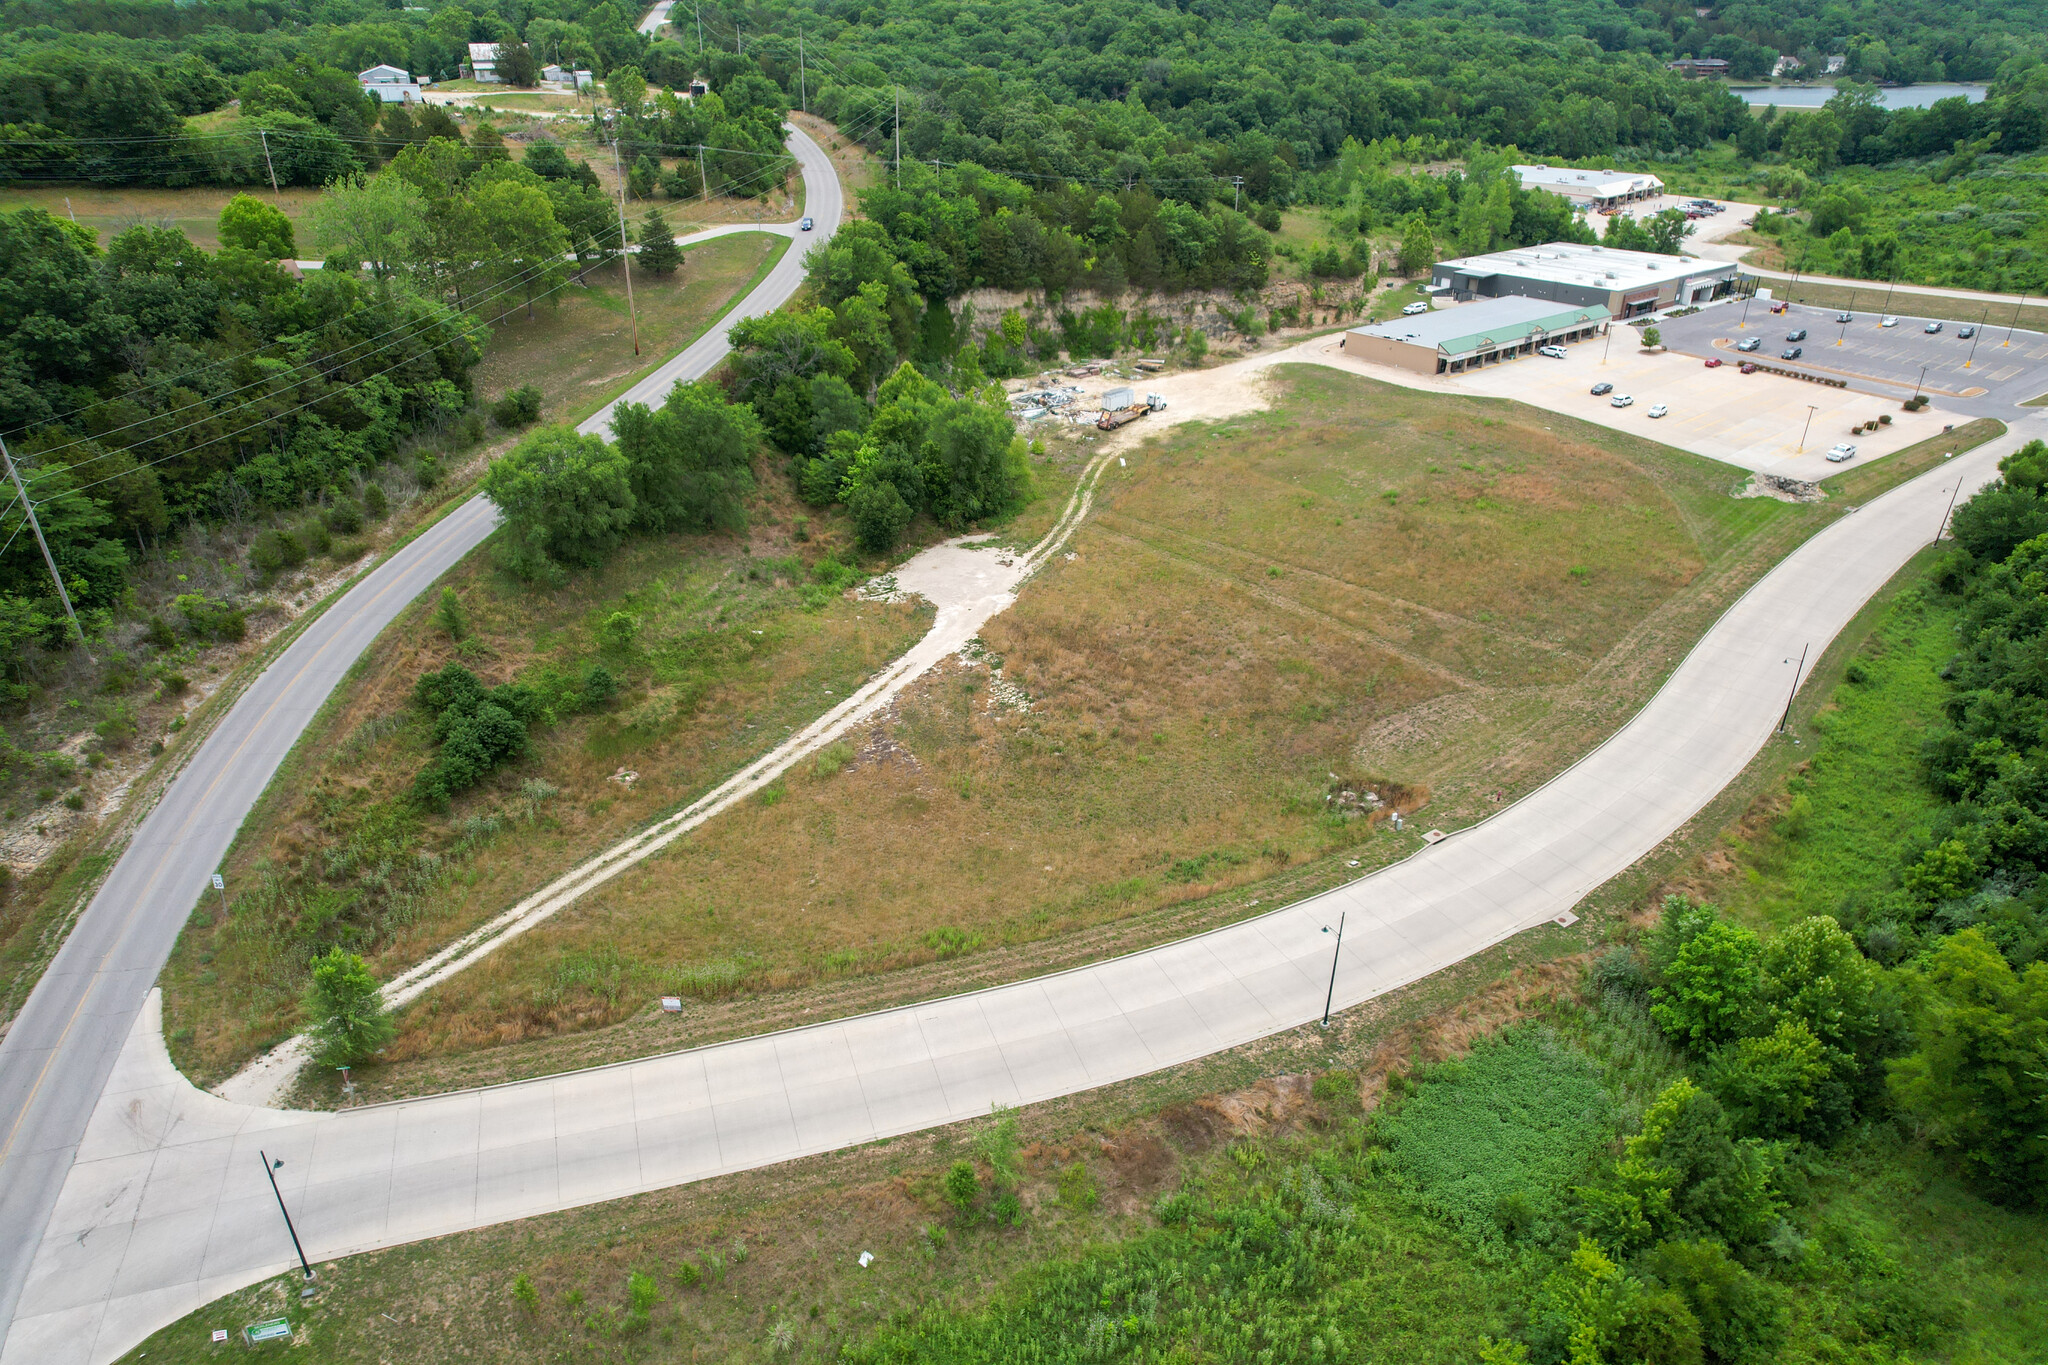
1332 994
270 1170
1747 299
1976 336
1803 430
2015 319
1921 380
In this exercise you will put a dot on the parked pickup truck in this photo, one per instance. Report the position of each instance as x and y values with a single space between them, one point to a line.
1120 408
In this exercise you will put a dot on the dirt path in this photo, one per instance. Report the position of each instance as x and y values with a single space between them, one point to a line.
967 580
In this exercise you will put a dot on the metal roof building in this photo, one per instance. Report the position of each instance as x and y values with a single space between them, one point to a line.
1591 189
1453 340
1626 283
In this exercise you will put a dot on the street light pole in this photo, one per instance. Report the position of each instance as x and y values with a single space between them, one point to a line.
1786 719
1747 299
2015 319
1808 427
1920 381
270 1171
1976 336
1945 512
1332 994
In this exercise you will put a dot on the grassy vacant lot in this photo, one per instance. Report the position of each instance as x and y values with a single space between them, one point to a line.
580 352
1364 588
196 212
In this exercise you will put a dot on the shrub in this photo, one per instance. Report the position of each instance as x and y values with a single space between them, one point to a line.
518 407
375 501
962 1187
524 1294
159 633
208 620
343 517
833 759
315 537
449 616
688 1276
173 684
75 799
274 551
599 687
427 469
1077 1188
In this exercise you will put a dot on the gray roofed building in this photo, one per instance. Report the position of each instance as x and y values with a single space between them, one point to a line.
1453 340
1626 283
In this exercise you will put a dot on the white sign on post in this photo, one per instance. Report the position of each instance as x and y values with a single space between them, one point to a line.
218 884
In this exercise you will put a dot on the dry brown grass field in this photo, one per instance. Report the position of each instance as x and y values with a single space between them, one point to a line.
1442 599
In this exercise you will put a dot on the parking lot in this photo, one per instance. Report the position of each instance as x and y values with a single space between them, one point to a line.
1753 421
1880 360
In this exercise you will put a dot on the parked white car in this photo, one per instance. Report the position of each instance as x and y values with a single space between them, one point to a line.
1659 410
1888 322
1554 352
1844 451
1412 309
1622 400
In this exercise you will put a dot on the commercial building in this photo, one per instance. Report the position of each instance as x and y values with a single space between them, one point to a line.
1453 340
393 85
1699 66
1591 189
1625 283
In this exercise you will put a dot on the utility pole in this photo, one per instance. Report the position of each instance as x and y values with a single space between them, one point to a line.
738 49
29 510
1237 193
264 134
699 12
897 91
703 184
2008 327
625 252
803 88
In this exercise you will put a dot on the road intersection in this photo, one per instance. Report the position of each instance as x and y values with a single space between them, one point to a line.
129 1198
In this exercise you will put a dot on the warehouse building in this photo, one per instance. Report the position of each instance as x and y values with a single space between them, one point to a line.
1453 340
1591 189
1625 283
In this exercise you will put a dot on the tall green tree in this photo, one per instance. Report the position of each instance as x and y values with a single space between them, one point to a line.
249 224
567 499
659 254
345 1011
690 460
1976 1082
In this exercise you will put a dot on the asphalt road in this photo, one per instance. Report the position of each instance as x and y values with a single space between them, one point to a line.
1988 380
55 1060
166 1208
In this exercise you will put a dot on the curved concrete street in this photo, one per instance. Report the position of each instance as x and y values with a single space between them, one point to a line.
57 1057
166 1207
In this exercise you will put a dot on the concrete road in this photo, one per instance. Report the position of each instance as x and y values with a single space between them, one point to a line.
55 1060
166 1208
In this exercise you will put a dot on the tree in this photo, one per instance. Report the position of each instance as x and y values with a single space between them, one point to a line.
345 1011
628 90
1652 337
1977 1081
880 514
375 224
973 464
659 254
690 460
516 65
527 243
1772 1085
249 224
567 499
643 176
1418 246
1668 230
1998 519
1706 993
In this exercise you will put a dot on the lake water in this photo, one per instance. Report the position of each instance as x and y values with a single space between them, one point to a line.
1900 97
